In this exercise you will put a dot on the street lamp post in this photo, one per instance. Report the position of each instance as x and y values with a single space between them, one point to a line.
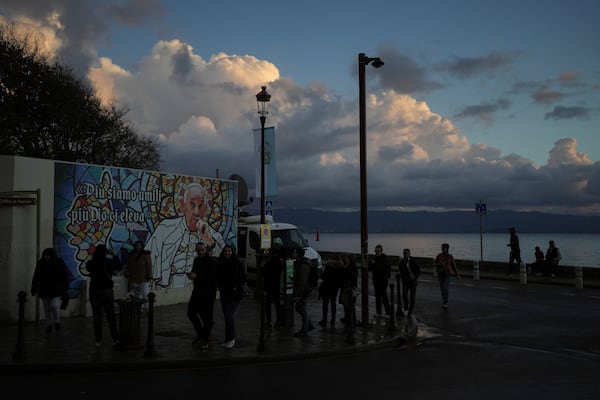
262 102
363 61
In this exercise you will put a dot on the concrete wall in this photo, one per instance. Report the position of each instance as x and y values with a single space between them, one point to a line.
24 230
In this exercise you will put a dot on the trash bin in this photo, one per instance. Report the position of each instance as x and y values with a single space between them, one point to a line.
130 312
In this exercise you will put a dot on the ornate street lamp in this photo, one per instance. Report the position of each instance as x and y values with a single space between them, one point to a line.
262 103
363 61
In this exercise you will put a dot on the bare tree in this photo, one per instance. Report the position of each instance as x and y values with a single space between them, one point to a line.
46 111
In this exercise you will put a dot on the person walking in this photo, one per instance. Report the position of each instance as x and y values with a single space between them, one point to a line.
272 271
202 301
50 282
409 272
138 271
381 271
101 268
301 290
231 279
445 266
515 250
328 290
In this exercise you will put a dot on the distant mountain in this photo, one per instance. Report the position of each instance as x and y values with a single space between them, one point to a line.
309 220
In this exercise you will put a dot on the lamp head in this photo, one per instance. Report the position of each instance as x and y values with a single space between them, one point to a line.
262 100
377 63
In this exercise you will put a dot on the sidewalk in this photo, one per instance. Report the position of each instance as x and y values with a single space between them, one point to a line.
73 347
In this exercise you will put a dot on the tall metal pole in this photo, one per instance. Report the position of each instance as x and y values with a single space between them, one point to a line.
259 266
364 235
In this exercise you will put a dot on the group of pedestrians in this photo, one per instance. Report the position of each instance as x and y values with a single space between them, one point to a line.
543 265
225 275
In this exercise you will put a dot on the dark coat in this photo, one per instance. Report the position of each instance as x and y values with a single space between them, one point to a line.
205 283
409 271
101 270
231 277
381 269
50 278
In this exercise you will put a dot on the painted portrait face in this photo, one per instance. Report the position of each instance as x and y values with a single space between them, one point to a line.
194 207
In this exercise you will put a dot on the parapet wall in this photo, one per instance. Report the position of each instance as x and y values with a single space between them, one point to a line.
567 274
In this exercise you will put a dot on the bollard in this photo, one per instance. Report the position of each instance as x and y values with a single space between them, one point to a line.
20 353
579 277
392 322
149 352
475 270
398 300
434 269
260 347
523 273
350 339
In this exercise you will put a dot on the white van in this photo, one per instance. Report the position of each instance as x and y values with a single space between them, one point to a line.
249 241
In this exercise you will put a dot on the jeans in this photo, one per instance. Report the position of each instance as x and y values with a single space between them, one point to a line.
200 313
381 297
302 309
229 306
409 289
51 310
103 302
140 290
444 279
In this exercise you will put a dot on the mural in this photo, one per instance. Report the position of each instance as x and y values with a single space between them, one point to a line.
116 206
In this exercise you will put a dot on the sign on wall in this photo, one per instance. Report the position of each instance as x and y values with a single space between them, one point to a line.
117 207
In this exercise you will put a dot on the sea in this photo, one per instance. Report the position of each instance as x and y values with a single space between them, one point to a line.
576 249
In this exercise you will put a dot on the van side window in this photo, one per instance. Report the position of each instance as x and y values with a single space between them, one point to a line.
254 240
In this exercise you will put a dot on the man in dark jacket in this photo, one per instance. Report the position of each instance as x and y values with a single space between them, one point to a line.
409 272
381 270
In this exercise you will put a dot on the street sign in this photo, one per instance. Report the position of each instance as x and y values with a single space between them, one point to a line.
17 201
481 208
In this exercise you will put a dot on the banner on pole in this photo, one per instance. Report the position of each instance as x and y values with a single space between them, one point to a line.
270 163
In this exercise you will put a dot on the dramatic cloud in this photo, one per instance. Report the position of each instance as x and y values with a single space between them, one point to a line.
80 25
203 112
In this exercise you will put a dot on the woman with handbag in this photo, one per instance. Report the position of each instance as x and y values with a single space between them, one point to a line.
231 279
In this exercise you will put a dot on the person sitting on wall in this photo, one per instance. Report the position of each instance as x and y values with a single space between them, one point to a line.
538 266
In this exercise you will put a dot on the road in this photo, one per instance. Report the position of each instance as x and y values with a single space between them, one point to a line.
497 341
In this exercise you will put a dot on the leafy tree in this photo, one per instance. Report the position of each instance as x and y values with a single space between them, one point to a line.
47 112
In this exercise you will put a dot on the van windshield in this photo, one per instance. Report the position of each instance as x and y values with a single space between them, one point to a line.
289 237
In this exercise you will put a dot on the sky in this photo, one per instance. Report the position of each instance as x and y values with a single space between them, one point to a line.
492 101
